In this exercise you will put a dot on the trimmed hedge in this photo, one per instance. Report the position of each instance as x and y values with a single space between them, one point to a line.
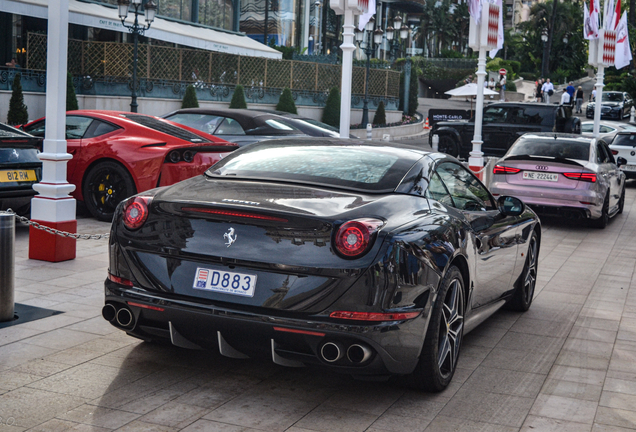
286 102
331 113
18 113
380 115
238 98
190 98
71 97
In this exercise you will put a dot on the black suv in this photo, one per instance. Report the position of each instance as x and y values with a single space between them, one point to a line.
502 124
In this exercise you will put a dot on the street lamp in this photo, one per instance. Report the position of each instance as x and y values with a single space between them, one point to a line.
544 38
150 9
362 36
402 31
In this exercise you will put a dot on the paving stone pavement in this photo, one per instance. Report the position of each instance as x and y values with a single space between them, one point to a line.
568 364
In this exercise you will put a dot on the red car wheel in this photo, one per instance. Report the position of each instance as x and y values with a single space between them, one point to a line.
106 185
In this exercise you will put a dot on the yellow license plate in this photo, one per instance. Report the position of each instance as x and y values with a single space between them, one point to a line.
17 176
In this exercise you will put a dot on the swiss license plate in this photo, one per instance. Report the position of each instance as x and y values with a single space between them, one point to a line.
629 167
17 176
224 281
534 175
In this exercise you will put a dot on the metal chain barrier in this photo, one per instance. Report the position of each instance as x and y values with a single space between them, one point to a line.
54 231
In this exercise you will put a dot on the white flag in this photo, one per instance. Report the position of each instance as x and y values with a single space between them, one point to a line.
500 35
608 15
474 9
590 24
623 54
364 18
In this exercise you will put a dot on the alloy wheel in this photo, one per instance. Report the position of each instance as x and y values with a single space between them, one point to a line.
450 329
530 277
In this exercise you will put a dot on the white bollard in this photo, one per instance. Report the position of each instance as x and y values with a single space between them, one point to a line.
435 142
369 129
632 112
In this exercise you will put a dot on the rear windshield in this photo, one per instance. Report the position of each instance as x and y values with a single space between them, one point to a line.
551 148
367 168
625 140
612 97
165 127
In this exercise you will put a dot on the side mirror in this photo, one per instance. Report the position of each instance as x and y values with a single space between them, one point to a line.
620 161
510 206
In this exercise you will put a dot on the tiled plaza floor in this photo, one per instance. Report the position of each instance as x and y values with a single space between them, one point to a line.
568 364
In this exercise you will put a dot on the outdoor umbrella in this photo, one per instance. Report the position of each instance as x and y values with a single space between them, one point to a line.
470 90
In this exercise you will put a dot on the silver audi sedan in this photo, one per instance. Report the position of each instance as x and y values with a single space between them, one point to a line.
563 175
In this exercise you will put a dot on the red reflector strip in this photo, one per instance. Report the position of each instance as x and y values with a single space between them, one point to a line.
374 316
586 203
146 306
614 152
499 169
120 280
233 213
307 332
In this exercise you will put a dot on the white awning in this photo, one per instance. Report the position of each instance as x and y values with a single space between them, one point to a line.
101 16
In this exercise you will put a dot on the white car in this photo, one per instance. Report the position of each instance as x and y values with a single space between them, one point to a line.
607 129
624 145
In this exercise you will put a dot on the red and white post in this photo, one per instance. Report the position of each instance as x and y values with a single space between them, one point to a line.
53 206
482 37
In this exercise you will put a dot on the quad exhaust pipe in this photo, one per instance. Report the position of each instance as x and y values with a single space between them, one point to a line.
356 353
122 316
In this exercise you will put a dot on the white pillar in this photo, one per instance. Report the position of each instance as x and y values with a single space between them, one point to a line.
600 74
476 159
53 206
305 26
347 73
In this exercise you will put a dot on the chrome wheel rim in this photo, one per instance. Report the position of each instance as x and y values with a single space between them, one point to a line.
450 329
530 278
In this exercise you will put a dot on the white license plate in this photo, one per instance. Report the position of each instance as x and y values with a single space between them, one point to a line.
534 175
226 282
629 167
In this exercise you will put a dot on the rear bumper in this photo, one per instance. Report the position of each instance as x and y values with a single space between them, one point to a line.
564 202
394 346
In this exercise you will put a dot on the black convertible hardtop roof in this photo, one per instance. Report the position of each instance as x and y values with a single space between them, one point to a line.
245 117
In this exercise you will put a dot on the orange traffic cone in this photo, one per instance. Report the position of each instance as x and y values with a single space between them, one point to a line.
426 126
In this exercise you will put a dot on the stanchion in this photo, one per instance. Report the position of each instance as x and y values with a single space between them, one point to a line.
435 142
369 131
7 265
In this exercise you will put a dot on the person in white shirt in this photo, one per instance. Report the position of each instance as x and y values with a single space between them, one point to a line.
593 95
565 97
547 88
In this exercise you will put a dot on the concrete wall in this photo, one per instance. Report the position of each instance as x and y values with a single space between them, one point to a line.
36 105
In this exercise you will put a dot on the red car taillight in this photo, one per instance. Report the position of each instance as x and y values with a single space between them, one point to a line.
584 176
354 237
120 280
500 169
614 152
374 316
136 212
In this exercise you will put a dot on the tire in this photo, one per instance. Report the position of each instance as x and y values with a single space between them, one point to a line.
602 222
106 185
621 201
440 352
525 285
448 145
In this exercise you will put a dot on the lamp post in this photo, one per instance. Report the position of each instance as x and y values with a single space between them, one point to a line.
150 8
544 63
365 36
403 33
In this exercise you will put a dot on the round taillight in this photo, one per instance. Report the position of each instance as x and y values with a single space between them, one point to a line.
135 213
353 237
174 156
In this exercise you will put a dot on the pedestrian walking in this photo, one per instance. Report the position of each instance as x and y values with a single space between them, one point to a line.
593 95
571 90
548 90
502 87
579 100
565 97
539 91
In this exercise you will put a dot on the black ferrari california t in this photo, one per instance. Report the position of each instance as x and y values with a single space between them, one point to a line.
367 258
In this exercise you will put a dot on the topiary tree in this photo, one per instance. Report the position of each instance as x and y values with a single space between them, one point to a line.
380 115
238 98
71 97
190 98
18 113
331 113
286 102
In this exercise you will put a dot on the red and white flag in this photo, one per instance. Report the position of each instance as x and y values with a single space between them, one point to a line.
590 20
365 17
500 35
474 9
623 54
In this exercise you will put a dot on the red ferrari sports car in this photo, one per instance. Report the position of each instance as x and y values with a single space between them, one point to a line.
118 154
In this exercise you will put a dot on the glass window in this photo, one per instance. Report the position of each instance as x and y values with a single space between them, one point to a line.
216 13
522 115
467 192
495 114
608 152
36 129
605 129
279 125
99 128
438 192
368 168
601 156
76 126
612 97
229 127
568 149
204 122
620 139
